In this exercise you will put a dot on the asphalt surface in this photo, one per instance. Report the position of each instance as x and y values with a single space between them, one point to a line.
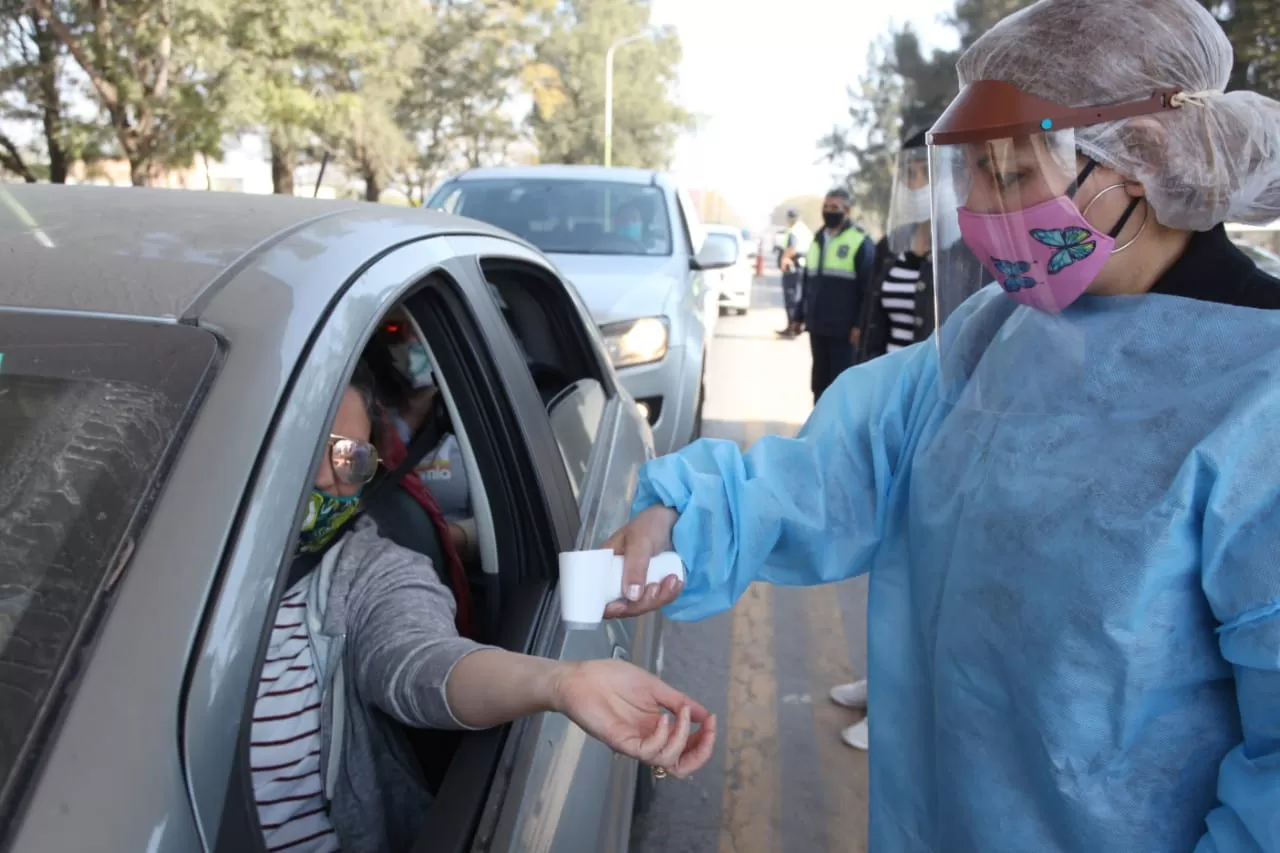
781 779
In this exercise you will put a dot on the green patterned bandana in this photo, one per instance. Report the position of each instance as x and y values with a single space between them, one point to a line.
326 514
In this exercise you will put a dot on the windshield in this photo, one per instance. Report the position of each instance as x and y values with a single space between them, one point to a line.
89 409
567 217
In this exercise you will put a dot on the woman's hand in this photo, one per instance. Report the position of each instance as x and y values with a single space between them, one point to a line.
645 536
624 706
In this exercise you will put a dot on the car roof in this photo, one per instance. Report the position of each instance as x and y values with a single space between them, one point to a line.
612 174
155 252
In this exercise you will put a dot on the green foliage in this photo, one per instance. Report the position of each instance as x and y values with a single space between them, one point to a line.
457 112
568 84
397 92
1253 26
905 87
869 146
150 65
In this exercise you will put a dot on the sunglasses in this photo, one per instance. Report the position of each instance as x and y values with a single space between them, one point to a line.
354 462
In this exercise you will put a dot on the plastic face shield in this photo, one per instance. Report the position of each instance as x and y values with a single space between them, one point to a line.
1004 171
910 205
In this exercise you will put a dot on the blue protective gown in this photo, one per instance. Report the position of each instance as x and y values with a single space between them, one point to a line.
1074 615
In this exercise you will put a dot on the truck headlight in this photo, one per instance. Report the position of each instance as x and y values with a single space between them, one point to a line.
634 342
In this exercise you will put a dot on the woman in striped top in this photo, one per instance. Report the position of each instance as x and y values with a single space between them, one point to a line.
899 309
370 631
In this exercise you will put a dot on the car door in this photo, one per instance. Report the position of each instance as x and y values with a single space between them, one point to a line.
702 284
566 791
223 677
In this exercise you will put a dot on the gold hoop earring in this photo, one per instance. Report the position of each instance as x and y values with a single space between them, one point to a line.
1146 214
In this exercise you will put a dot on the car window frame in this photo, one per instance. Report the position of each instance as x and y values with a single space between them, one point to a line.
694 232
229 822
245 596
571 318
521 749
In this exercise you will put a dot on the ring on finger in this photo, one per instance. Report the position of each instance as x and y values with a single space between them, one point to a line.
659 772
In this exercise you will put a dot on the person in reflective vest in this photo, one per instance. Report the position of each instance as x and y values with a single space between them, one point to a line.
837 272
795 245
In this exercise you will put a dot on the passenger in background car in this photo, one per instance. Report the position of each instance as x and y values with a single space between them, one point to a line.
367 637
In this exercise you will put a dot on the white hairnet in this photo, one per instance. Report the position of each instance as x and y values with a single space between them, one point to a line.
1216 159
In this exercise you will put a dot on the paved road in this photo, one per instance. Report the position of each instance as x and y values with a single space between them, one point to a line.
781 779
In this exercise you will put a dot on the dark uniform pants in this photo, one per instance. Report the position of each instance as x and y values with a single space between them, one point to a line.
831 357
791 294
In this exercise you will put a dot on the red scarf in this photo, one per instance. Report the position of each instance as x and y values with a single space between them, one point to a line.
393 454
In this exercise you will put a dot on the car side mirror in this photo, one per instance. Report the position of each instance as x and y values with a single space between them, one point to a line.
718 252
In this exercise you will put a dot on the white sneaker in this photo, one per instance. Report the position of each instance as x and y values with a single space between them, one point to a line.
850 695
856 735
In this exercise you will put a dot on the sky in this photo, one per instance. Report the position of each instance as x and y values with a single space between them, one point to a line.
769 81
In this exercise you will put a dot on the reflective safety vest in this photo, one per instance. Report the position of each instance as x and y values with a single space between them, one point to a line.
838 254
799 236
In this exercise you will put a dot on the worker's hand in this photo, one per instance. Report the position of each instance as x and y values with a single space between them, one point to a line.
627 708
642 538
788 265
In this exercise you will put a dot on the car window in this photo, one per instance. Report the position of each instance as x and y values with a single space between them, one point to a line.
89 412
575 419
693 229
446 200
562 349
567 216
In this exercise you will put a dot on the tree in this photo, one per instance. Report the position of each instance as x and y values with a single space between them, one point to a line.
972 18
902 87
808 206
928 82
567 81
1253 27
33 82
458 111
152 68
282 50
868 147
371 72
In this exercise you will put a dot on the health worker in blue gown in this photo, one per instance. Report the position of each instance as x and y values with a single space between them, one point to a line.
1068 499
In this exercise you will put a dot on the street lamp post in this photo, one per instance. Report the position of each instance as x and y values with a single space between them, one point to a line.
608 93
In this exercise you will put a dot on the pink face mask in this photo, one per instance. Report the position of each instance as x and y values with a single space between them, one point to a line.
1044 256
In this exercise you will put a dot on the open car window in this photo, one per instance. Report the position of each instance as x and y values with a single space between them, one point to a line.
90 410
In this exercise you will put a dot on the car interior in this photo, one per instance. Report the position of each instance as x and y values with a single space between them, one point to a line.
566 372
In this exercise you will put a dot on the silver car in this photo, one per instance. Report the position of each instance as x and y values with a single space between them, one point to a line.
733 284
169 364
630 241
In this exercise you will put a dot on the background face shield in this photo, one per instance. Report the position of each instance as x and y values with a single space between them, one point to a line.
1006 198
910 205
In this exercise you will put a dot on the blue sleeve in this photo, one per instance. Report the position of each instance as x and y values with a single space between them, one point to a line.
791 511
1241 555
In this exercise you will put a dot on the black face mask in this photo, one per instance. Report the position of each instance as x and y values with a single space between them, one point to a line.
832 219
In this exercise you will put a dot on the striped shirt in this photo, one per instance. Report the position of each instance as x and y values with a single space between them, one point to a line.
898 296
284 753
